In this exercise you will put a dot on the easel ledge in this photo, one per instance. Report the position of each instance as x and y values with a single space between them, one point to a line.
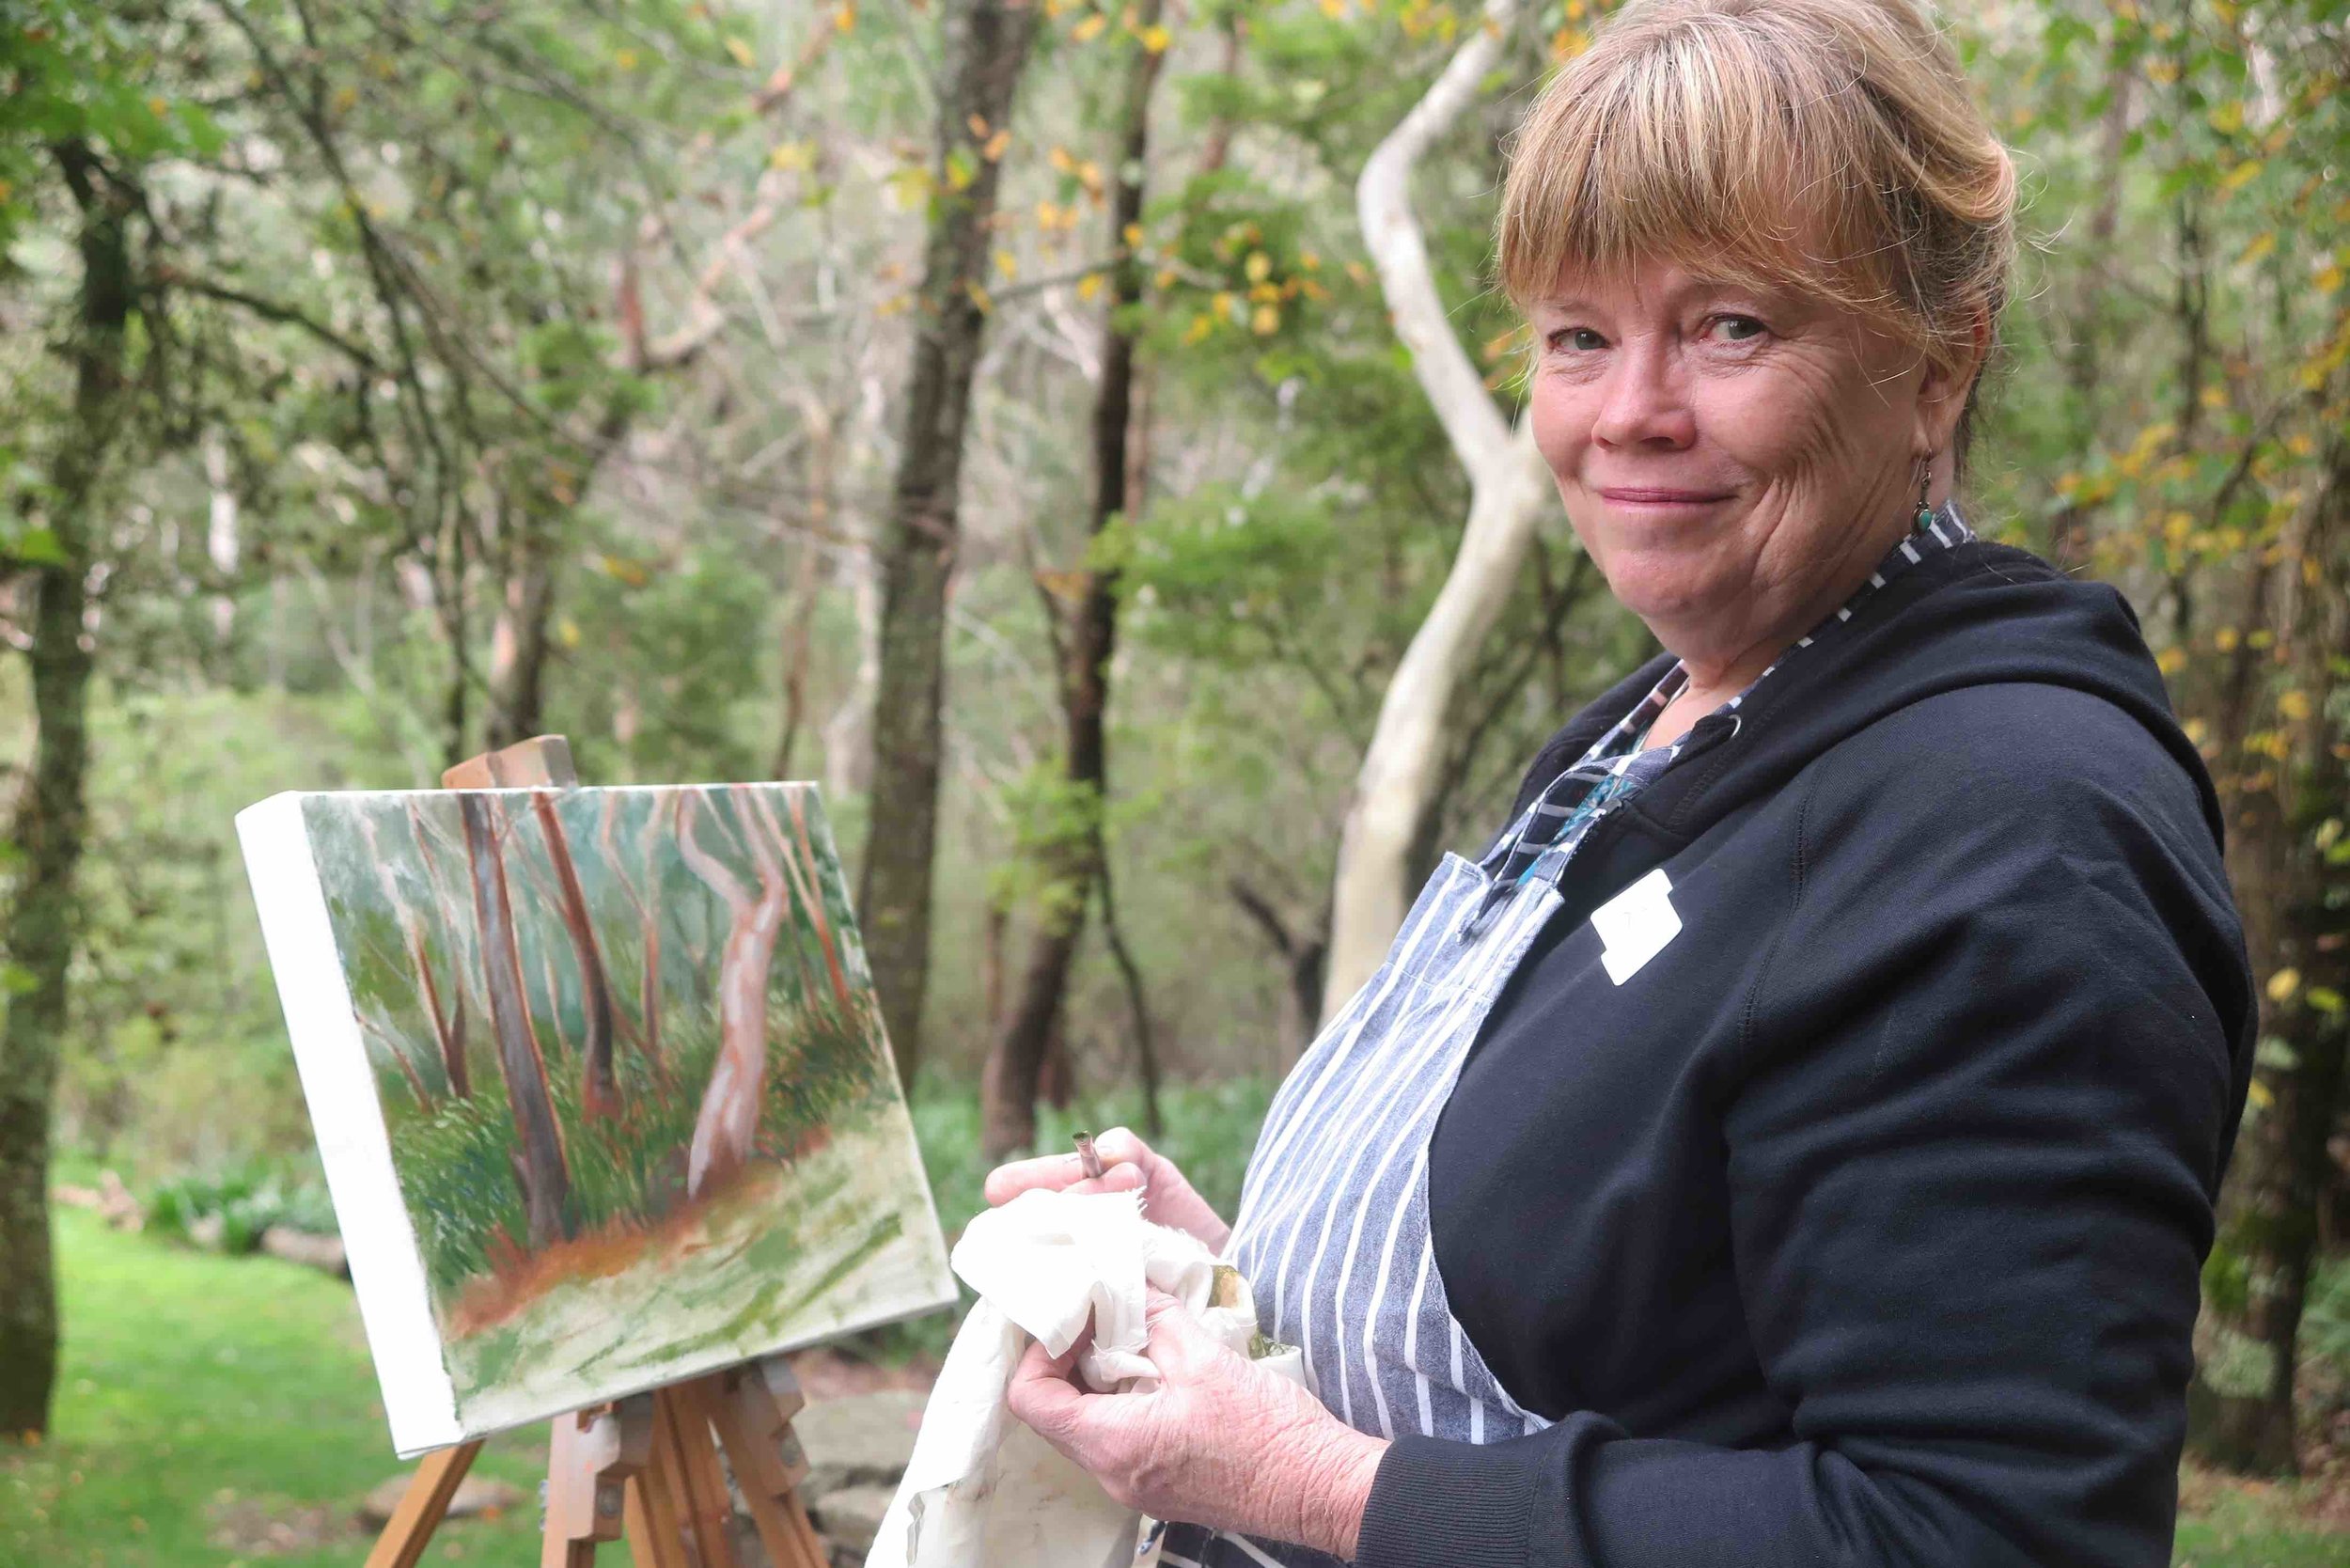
645 1467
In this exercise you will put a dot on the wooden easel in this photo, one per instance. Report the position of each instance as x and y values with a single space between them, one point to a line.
648 1464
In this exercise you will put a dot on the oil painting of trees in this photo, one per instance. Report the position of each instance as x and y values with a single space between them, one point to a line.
637 1094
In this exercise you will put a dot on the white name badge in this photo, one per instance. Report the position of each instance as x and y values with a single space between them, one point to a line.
1635 925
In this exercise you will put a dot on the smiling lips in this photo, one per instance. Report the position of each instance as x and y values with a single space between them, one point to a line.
1647 495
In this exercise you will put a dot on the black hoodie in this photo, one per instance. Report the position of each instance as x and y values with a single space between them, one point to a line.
1862 1225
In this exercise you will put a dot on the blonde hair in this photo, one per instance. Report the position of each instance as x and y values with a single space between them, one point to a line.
1829 146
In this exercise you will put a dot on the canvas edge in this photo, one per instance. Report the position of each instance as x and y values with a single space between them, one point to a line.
347 1119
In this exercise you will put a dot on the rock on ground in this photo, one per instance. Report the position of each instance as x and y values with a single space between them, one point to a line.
862 1441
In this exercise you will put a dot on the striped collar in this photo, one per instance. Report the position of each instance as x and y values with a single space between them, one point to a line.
1617 767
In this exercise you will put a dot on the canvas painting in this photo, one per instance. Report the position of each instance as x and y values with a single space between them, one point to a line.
599 1083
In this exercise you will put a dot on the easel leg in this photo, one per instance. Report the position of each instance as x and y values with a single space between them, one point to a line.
421 1506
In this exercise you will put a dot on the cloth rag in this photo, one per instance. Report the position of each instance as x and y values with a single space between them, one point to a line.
983 1490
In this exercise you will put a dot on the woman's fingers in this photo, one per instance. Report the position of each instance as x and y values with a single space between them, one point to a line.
1061 1173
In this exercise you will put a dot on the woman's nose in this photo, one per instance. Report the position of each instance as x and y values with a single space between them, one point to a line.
1642 402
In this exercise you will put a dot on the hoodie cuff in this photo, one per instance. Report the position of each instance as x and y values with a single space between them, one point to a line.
1436 1503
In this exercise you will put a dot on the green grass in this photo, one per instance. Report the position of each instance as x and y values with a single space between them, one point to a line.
198 1388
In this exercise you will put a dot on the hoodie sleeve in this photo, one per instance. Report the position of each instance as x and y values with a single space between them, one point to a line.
1972 1130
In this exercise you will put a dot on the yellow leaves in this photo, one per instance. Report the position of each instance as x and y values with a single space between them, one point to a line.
1265 321
2282 984
624 571
2328 280
1155 39
741 51
2164 72
1006 263
992 148
844 18
1060 160
1090 27
2224 639
979 296
345 97
2170 660
625 58
2226 119
1334 9
910 187
1359 272
1224 305
792 157
2259 1095
1089 286
1164 278
1131 234
2242 175
2175 529
566 631
2295 705
1308 262
962 168
1259 266
978 124
1199 328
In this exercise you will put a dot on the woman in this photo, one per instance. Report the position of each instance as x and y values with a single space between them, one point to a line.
1794 1139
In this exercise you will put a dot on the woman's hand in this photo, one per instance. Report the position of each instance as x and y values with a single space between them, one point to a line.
1167 1198
1220 1442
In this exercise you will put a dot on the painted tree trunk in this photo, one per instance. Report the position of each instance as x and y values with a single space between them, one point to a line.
448 1036
600 1089
727 1126
539 1164
1016 1057
52 812
987 48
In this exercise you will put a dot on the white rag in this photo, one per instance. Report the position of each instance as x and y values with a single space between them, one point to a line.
983 1490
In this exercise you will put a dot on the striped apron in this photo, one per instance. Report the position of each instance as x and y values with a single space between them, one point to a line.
1333 1228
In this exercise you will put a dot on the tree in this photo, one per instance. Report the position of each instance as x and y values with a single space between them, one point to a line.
987 43
1083 642
540 1167
1387 820
727 1126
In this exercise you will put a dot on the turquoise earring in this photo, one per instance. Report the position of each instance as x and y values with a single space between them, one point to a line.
1925 519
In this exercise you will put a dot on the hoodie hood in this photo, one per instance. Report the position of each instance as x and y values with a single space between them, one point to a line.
1978 613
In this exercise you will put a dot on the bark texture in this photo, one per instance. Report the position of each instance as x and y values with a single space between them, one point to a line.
987 47
52 813
600 1089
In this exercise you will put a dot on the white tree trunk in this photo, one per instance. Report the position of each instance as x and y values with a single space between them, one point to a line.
1510 490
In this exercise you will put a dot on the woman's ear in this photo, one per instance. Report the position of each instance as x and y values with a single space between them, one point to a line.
1942 396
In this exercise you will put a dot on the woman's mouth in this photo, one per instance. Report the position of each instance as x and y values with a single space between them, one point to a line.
1658 496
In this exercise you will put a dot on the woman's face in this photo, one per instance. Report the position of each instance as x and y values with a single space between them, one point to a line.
1734 461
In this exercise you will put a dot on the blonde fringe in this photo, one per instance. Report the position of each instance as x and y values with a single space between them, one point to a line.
1832 147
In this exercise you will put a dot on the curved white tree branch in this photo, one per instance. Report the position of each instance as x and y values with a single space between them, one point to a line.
1509 491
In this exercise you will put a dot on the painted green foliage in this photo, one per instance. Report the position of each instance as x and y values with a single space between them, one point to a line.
630 1063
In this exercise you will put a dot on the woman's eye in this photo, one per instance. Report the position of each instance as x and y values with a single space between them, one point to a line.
1739 329
1580 340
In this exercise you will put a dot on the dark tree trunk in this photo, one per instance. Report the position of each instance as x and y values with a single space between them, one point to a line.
539 1166
600 1087
987 47
1009 1082
52 813
2283 1169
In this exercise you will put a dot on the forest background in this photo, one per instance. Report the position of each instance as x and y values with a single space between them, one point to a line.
1082 435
